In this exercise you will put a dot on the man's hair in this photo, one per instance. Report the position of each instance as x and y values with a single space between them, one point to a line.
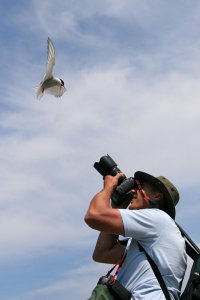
154 190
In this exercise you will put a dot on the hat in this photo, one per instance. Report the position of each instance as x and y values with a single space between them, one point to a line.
171 194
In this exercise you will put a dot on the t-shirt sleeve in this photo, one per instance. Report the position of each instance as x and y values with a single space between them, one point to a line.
140 224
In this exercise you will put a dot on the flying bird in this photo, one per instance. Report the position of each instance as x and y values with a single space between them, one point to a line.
50 84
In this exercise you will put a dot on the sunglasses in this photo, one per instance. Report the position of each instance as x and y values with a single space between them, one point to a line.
138 186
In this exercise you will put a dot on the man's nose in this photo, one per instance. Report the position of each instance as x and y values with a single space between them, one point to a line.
134 193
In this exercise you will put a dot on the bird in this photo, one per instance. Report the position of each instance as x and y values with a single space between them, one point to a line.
50 84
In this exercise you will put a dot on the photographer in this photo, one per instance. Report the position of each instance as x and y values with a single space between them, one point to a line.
149 221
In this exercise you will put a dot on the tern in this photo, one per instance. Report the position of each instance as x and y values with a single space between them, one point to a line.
50 84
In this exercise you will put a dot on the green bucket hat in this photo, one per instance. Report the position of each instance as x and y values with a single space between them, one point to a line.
171 194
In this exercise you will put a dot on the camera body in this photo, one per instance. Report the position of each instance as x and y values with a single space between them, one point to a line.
107 166
117 290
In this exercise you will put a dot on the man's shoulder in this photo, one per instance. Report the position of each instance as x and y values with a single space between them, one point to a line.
153 217
146 223
158 216
148 212
148 217
156 213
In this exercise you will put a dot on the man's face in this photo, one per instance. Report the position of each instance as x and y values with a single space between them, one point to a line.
141 197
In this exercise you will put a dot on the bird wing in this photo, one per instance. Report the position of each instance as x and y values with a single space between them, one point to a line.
50 59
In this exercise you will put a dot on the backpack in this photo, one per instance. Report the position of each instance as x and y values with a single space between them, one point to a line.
192 288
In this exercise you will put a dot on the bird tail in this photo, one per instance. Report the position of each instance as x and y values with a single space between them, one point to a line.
39 92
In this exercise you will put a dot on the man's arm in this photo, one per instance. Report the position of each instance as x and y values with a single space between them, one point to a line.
100 215
108 249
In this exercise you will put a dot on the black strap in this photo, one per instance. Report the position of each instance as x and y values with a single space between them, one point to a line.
157 274
191 248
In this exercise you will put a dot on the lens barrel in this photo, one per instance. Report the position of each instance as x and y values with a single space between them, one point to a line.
107 166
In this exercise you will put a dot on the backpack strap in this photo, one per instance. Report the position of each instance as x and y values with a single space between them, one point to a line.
157 274
191 248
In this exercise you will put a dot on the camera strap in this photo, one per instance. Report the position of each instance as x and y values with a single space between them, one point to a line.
118 265
144 195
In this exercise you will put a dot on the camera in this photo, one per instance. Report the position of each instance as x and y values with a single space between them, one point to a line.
117 290
122 193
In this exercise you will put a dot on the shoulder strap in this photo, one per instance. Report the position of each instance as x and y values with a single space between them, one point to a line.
191 248
157 274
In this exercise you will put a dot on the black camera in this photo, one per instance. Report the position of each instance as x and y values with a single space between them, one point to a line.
117 290
107 166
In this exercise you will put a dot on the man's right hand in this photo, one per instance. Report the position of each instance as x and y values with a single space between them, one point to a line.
111 182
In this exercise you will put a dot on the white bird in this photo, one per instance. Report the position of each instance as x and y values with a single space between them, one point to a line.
50 84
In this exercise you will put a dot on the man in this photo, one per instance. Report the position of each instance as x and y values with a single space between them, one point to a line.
149 221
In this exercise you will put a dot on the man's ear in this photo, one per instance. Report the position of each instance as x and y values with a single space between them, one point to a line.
154 203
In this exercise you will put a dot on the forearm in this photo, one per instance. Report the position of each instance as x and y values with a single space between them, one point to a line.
106 241
107 249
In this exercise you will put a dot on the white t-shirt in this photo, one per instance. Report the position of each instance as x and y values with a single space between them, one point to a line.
158 234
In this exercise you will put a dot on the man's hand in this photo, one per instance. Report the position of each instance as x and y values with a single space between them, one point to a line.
111 182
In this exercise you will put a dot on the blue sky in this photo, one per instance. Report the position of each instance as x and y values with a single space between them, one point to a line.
132 74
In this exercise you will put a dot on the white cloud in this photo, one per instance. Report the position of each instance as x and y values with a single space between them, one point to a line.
105 111
76 284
